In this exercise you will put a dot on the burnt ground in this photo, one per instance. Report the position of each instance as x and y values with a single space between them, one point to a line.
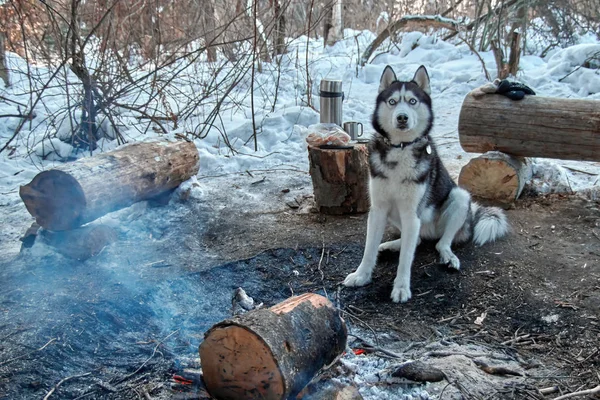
132 317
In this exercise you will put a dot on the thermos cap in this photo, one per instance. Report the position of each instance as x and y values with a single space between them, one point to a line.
331 86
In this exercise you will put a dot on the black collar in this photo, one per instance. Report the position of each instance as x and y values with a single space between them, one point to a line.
400 145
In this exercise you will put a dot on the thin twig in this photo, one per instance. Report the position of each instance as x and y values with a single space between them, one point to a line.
149 358
321 261
27 354
47 396
579 393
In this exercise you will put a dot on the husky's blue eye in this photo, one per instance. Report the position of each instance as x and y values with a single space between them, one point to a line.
412 102
392 102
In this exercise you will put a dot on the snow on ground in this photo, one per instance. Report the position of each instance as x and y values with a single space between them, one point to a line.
454 71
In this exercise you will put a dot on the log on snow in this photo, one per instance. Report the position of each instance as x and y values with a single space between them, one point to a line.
533 127
272 353
496 176
76 193
340 179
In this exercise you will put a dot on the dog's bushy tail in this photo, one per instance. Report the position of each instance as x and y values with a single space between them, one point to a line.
489 223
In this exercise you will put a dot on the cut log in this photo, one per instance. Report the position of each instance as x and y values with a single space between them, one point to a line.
79 192
536 126
496 176
272 353
340 179
81 243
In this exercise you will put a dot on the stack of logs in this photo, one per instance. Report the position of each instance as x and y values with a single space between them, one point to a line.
63 199
509 131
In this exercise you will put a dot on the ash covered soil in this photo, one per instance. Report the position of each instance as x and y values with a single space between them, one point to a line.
131 318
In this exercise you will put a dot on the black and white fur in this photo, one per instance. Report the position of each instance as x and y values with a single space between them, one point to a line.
411 189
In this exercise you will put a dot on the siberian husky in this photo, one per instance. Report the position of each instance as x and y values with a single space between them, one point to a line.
411 189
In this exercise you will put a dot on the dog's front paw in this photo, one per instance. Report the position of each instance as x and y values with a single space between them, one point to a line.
448 257
401 294
357 279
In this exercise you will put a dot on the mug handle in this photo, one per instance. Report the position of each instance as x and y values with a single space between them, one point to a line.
361 129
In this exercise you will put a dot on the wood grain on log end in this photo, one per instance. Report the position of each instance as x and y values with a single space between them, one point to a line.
230 353
272 353
54 198
496 177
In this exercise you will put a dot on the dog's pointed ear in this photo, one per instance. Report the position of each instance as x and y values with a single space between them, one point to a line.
421 78
387 78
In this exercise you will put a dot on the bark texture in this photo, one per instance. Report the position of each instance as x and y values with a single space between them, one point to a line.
340 179
79 192
533 127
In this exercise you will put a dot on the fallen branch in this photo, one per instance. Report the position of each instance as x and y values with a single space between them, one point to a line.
579 393
47 396
413 21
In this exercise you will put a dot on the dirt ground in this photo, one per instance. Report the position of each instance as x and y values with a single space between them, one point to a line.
132 317
538 290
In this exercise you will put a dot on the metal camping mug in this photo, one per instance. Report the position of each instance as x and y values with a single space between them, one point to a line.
351 129
331 95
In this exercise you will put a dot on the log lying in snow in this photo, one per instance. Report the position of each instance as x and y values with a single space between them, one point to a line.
79 192
496 176
533 127
272 353
340 179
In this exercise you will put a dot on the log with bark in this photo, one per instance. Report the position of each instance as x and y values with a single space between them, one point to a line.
536 126
76 193
496 176
340 179
272 353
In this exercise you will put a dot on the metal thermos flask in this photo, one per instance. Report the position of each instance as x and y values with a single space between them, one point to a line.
331 101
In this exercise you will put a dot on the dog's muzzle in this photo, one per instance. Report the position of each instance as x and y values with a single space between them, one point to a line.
402 121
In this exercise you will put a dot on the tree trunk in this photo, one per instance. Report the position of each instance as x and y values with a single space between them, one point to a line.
208 20
3 65
86 136
333 30
536 126
496 176
79 192
279 31
340 179
272 353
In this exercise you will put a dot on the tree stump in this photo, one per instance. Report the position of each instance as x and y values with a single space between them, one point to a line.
340 179
496 176
536 126
272 353
76 193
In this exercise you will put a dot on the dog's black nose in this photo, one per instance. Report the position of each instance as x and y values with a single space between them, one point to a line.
402 118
